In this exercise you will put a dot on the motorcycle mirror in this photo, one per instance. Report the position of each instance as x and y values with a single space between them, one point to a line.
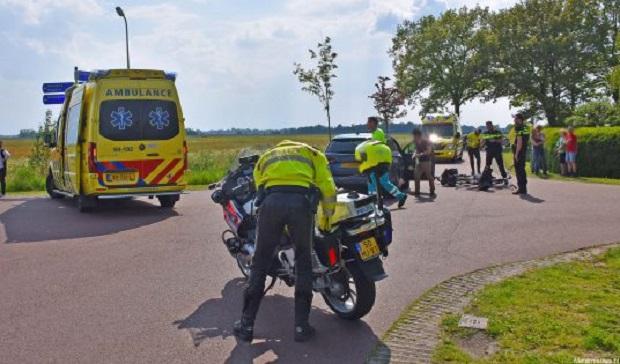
217 196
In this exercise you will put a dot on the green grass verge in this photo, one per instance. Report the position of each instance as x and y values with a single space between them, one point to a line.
548 315
23 177
558 177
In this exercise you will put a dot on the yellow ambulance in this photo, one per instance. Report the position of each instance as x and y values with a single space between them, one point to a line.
444 132
120 134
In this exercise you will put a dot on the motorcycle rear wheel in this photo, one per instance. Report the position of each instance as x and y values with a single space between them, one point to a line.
358 297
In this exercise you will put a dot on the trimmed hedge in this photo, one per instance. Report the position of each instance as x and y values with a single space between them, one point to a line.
598 151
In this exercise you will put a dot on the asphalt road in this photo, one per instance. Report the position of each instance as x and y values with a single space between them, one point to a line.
131 283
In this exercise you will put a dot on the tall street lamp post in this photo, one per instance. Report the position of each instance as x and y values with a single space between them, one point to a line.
121 13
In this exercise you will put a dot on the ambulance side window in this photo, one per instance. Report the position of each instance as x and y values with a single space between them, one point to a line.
73 122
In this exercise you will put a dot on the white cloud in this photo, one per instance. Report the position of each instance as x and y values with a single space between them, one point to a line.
492 4
34 10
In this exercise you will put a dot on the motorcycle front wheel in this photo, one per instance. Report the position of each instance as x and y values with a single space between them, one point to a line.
356 297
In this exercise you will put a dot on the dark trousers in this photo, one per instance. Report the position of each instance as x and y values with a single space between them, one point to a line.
497 155
3 180
474 153
539 160
520 172
280 210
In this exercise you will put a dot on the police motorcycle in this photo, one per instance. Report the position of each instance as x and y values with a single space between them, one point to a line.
346 262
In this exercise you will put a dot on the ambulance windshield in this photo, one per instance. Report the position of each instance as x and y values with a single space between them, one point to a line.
127 120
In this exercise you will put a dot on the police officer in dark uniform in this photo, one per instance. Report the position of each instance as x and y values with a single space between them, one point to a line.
492 139
519 148
290 178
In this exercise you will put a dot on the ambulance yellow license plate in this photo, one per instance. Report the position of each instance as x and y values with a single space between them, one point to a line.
120 178
368 248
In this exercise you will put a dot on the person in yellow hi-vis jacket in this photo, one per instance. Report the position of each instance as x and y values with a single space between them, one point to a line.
290 178
473 149
375 158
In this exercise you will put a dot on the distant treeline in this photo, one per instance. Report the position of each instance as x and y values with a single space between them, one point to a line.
398 128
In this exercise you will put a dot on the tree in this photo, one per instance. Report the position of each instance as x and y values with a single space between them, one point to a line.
597 113
440 61
318 81
547 56
388 101
39 152
27 133
609 25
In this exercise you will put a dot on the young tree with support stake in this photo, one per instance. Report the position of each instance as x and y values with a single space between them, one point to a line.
388 101
318 81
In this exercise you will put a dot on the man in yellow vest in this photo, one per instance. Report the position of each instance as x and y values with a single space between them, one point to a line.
375 159
291 178
473 149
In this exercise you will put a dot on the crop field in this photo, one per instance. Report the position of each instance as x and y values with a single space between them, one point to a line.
209 157
19 148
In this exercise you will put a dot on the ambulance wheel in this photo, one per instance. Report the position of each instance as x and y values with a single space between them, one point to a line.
49 187
168 202
86 204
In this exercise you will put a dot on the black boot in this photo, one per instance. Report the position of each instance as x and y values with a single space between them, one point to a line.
243 330
304 332
402 201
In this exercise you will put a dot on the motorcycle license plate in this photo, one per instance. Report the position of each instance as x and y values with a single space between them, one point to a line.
368 248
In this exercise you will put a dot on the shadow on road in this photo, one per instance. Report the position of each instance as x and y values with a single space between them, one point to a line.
337 340
530 198
424 198
40 219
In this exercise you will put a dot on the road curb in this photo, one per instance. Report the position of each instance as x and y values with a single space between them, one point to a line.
413 337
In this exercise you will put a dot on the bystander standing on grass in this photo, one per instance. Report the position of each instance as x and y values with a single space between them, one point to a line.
538 151
4 156
571 152
560 151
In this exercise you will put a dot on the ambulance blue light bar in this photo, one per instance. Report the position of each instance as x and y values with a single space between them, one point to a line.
172 76
84 76
54 99
81 76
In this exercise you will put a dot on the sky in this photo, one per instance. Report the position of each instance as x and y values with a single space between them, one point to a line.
234 58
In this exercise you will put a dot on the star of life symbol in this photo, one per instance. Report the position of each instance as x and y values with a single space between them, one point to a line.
159 118
121 118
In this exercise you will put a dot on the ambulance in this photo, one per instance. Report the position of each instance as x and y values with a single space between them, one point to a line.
120 134
444 132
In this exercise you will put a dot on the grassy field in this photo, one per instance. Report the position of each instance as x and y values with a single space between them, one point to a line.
549 315
209 157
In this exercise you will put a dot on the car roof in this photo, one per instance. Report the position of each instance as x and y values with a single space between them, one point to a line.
359 136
